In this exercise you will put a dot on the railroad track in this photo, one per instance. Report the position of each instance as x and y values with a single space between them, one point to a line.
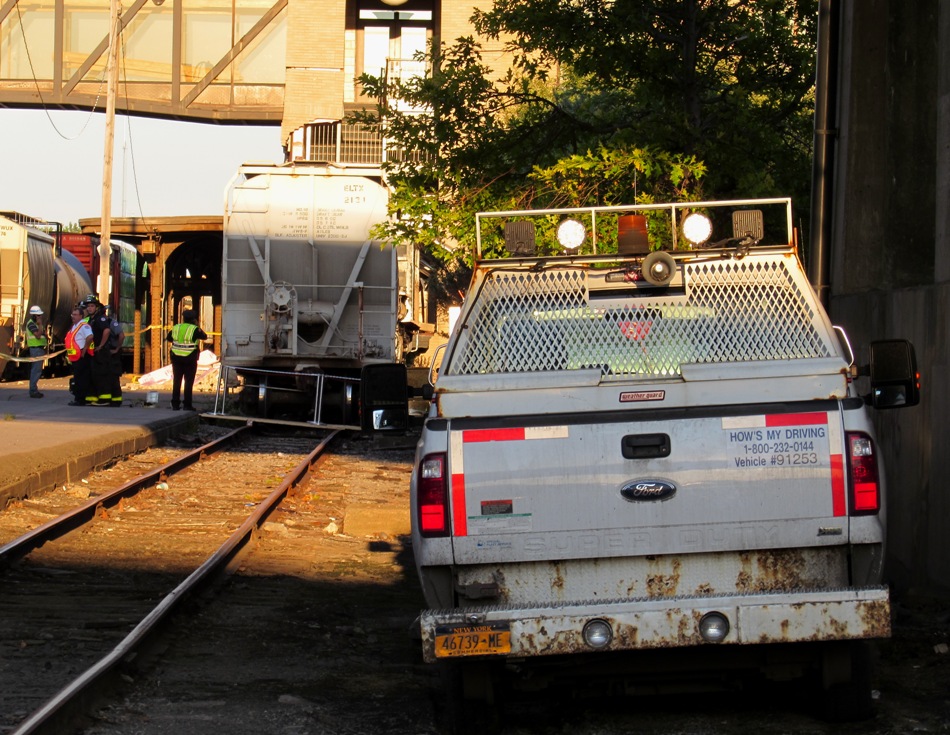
80 586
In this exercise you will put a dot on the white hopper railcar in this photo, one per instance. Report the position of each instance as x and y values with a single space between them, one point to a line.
309 298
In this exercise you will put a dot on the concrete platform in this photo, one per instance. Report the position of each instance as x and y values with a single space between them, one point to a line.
46 443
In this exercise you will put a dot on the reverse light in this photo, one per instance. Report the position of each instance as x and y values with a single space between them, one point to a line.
863 473
714 627
597 633
432 496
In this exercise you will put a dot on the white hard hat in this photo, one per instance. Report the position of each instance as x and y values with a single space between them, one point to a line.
36 311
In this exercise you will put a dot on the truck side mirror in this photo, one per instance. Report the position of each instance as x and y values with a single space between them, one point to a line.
895 382
435 365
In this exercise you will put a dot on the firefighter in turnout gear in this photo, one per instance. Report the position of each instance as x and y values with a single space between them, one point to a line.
185 338
36 342
114 348
103 370
90 305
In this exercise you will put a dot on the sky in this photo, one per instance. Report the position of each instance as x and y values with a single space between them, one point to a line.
52 164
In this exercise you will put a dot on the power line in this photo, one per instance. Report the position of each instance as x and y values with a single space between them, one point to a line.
39 92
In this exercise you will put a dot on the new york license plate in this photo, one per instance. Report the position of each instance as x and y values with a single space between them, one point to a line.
472 640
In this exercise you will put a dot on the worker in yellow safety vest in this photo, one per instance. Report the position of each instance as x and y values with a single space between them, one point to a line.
36 343
185 338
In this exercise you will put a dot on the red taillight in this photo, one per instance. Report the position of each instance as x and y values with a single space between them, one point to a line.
432 494
862 468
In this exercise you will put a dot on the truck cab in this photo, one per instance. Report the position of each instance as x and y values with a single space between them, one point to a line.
647 441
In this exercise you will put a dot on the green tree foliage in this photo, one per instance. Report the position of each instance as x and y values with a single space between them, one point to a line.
727 81
607 102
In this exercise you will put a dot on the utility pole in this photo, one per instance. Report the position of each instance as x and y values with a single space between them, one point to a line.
105 227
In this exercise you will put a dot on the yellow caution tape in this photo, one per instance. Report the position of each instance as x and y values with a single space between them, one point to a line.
11 358
43 358
163 327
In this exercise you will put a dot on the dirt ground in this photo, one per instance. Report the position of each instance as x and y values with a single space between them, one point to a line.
337 656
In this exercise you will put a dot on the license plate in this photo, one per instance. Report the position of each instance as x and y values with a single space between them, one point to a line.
472 640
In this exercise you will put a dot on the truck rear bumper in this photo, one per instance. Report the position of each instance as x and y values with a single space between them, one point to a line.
542 630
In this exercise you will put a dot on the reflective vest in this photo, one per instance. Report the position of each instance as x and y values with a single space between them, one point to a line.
183 343
31 339
73 350
91 349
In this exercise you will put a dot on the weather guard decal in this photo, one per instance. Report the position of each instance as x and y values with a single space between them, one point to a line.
636 396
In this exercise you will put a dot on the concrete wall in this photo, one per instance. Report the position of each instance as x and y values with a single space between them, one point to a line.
890 271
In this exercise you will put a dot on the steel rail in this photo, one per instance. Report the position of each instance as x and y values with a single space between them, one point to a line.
23 545
50 718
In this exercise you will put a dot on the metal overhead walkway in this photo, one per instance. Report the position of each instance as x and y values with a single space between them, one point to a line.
291 63
212 60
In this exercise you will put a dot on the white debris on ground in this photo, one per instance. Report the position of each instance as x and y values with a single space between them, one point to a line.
206 379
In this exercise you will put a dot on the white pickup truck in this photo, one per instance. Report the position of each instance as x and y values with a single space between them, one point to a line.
661 447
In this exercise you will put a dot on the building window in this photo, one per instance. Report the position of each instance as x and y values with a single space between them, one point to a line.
390 34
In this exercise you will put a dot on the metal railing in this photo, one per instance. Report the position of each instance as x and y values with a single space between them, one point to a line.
296 388
341 142
338 142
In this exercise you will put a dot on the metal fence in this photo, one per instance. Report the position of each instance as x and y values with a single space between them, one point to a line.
240 390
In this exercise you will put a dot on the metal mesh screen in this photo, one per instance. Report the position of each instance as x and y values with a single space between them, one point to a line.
729 311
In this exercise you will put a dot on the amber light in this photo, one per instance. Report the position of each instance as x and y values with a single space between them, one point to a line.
432 496
862 468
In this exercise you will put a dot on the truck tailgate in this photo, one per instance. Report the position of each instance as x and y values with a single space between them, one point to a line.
585 487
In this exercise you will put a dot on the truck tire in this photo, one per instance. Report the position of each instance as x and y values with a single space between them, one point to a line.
470 704
846 682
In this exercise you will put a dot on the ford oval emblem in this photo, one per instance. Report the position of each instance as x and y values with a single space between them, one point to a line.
642 491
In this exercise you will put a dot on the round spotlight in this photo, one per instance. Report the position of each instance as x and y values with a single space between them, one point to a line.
571 234
697 228
597 633
714 627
